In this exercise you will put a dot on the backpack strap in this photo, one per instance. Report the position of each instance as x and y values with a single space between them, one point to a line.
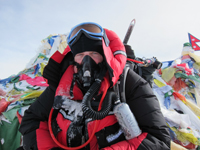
133 63
120 86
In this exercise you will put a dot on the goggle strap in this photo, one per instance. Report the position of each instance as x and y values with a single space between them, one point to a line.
106 40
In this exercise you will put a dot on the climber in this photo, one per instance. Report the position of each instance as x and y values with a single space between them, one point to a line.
83 97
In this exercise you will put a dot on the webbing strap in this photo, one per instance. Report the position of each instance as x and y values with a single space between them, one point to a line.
122 84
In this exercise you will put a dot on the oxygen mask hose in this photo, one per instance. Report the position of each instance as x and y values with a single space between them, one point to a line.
94 130
88 97
86 104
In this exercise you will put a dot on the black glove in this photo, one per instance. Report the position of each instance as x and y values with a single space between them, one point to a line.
73 108
129 51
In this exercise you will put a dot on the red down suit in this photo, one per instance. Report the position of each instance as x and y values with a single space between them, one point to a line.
72 132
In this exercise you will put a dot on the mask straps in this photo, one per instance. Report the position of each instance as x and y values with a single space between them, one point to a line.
75 76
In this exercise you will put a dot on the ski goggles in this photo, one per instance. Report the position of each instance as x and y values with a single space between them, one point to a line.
90 29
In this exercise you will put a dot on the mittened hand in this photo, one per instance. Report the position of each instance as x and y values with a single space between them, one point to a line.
129 51
72 107
58 102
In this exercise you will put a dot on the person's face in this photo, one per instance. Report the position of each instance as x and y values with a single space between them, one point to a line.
94 55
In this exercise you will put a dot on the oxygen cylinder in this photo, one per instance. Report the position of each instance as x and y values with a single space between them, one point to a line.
127 120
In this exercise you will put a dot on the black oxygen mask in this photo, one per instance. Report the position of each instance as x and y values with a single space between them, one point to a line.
88 71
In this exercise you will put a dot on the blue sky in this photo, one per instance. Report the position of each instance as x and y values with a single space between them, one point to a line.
161 27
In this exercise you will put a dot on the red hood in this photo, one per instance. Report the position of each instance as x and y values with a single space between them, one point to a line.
115 55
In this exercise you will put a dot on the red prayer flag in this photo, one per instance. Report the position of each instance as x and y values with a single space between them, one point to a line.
193 42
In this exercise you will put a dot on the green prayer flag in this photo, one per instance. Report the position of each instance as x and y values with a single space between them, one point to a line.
10 137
